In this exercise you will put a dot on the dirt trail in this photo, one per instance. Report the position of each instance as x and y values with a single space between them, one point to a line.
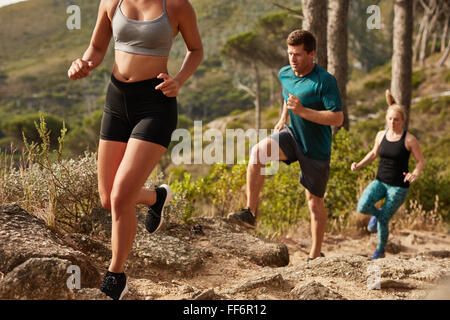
227 275
215 259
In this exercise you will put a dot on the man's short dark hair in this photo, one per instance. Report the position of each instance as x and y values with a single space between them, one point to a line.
299 37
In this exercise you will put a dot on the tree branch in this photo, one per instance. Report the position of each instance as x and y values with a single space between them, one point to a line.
245 88
296 12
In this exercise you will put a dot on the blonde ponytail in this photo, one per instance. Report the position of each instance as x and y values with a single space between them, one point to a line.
394 106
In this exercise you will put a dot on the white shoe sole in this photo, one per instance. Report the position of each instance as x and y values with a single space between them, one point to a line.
125 290
168 197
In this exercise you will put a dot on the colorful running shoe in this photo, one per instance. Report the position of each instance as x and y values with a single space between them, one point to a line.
377 255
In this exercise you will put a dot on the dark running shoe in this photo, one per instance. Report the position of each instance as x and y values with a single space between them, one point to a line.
309 259
244 217
155 214
372 226
114 285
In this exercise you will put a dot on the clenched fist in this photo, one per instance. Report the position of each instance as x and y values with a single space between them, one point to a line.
80 69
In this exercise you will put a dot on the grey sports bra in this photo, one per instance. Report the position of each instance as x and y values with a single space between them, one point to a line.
152 38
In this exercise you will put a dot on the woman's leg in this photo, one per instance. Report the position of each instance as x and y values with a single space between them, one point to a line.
110 154
373 193
395 196
139 160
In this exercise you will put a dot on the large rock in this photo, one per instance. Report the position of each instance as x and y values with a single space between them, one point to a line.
314 290
163 251
238 241
359 269
271 280
38 278
23 237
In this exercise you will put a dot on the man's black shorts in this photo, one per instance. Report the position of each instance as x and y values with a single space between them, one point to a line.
314 173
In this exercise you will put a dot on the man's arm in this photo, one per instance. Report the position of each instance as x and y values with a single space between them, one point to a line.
283 118
324 117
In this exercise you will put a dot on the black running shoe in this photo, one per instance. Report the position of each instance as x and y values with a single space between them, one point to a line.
244 217
309 259
155 215
114 285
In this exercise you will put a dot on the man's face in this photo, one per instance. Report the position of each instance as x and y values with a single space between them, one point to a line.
299 59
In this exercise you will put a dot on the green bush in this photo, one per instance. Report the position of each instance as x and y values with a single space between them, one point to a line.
26 125
283 202
368 129
85 136
377 84
417 78
433 180
236 112
447 77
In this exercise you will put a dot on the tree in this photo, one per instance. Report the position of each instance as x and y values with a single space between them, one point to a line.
274 28
246 48
315 21
369 47
445 48
432 11
446 22
337 49
401 84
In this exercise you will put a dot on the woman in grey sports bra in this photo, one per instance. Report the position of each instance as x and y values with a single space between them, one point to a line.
140 112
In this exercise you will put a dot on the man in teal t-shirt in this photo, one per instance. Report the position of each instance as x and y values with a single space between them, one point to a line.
312 100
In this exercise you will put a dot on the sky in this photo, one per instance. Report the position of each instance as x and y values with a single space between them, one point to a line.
7 2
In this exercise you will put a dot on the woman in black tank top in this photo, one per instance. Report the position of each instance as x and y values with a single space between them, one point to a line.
394 146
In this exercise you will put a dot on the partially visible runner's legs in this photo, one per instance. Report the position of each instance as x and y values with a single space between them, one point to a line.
261 154
394 197
136 163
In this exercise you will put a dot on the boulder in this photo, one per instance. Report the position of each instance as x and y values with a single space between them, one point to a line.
24 236
314 290
238 241
38 278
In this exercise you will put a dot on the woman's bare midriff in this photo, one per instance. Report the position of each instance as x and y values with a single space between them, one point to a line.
129 67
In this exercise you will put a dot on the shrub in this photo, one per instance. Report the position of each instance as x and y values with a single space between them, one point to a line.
417 78
25 125
377 84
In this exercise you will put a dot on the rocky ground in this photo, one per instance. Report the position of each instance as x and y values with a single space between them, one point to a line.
214 259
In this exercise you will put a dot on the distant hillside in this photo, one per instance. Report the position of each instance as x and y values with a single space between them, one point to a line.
36 49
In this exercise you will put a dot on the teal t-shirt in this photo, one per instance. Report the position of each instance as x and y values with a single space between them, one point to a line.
317 90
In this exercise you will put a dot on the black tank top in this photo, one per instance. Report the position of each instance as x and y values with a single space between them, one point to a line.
394 158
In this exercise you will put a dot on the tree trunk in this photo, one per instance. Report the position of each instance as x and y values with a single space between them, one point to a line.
434 12
423 22
257 96
279 94
401 86
315 21
444 57
337 50
433 43
444 34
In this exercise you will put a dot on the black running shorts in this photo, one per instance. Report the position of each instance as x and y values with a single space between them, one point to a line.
137 110
314 173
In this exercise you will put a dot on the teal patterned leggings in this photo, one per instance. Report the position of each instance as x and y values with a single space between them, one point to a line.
373 193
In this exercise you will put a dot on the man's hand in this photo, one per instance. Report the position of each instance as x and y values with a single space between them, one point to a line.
169 86
354 166
294 104
79 69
